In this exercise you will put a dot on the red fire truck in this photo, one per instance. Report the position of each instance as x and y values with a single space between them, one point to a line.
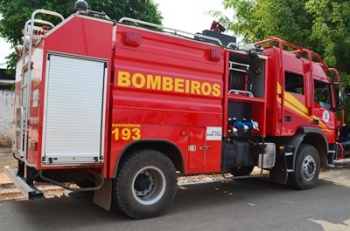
124 108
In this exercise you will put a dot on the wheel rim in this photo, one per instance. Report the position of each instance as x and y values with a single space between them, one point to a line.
309 168
148 185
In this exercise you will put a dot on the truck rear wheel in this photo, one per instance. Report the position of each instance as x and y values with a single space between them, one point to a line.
307 168
146 184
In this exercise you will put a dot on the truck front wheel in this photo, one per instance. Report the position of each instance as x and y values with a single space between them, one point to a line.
307 168
146 184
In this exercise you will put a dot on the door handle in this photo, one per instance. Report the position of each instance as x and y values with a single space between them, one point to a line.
204 148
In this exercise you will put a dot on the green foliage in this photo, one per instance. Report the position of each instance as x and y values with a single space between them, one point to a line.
257 20
322 26
16 13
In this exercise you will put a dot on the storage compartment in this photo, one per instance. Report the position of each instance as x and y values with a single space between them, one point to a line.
240 111
74 111
247 75
237 153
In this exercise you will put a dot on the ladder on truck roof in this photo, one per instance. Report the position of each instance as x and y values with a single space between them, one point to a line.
172 31
32 36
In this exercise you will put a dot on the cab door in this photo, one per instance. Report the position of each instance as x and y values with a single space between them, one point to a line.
324 110
295 105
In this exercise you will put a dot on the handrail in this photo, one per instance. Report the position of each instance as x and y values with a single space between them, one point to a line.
233 45
250 94
28 37
33 20
280 41
310 56
297 49
21 146
238 64
337 78
175 31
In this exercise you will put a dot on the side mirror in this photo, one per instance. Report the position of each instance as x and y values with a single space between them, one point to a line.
341 95
346 90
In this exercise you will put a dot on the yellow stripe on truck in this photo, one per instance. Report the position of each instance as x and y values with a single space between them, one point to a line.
296 106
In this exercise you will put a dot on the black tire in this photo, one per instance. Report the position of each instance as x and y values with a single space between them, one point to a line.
242 171
146 184
307 168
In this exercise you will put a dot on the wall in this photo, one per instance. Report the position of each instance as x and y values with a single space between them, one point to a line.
6 117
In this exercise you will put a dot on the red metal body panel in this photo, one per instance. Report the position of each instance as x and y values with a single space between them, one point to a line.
273 108
81 36
171 108
301 108
34 128
33 121
85 36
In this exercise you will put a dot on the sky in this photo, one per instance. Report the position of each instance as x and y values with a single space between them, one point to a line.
189 15
5 50
186 15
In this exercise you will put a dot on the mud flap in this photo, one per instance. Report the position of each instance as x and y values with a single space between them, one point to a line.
278 176
103 196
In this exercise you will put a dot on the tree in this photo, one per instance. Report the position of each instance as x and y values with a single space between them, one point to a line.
331 31
261 19
322 26
16 13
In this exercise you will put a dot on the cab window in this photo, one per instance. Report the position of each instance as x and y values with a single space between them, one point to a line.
294 83
322 94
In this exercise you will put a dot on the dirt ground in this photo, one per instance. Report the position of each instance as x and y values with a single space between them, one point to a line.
6 159
8 190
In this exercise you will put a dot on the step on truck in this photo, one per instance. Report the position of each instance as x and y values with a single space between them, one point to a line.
123 108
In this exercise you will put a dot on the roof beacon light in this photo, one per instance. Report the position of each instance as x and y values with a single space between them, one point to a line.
81 5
